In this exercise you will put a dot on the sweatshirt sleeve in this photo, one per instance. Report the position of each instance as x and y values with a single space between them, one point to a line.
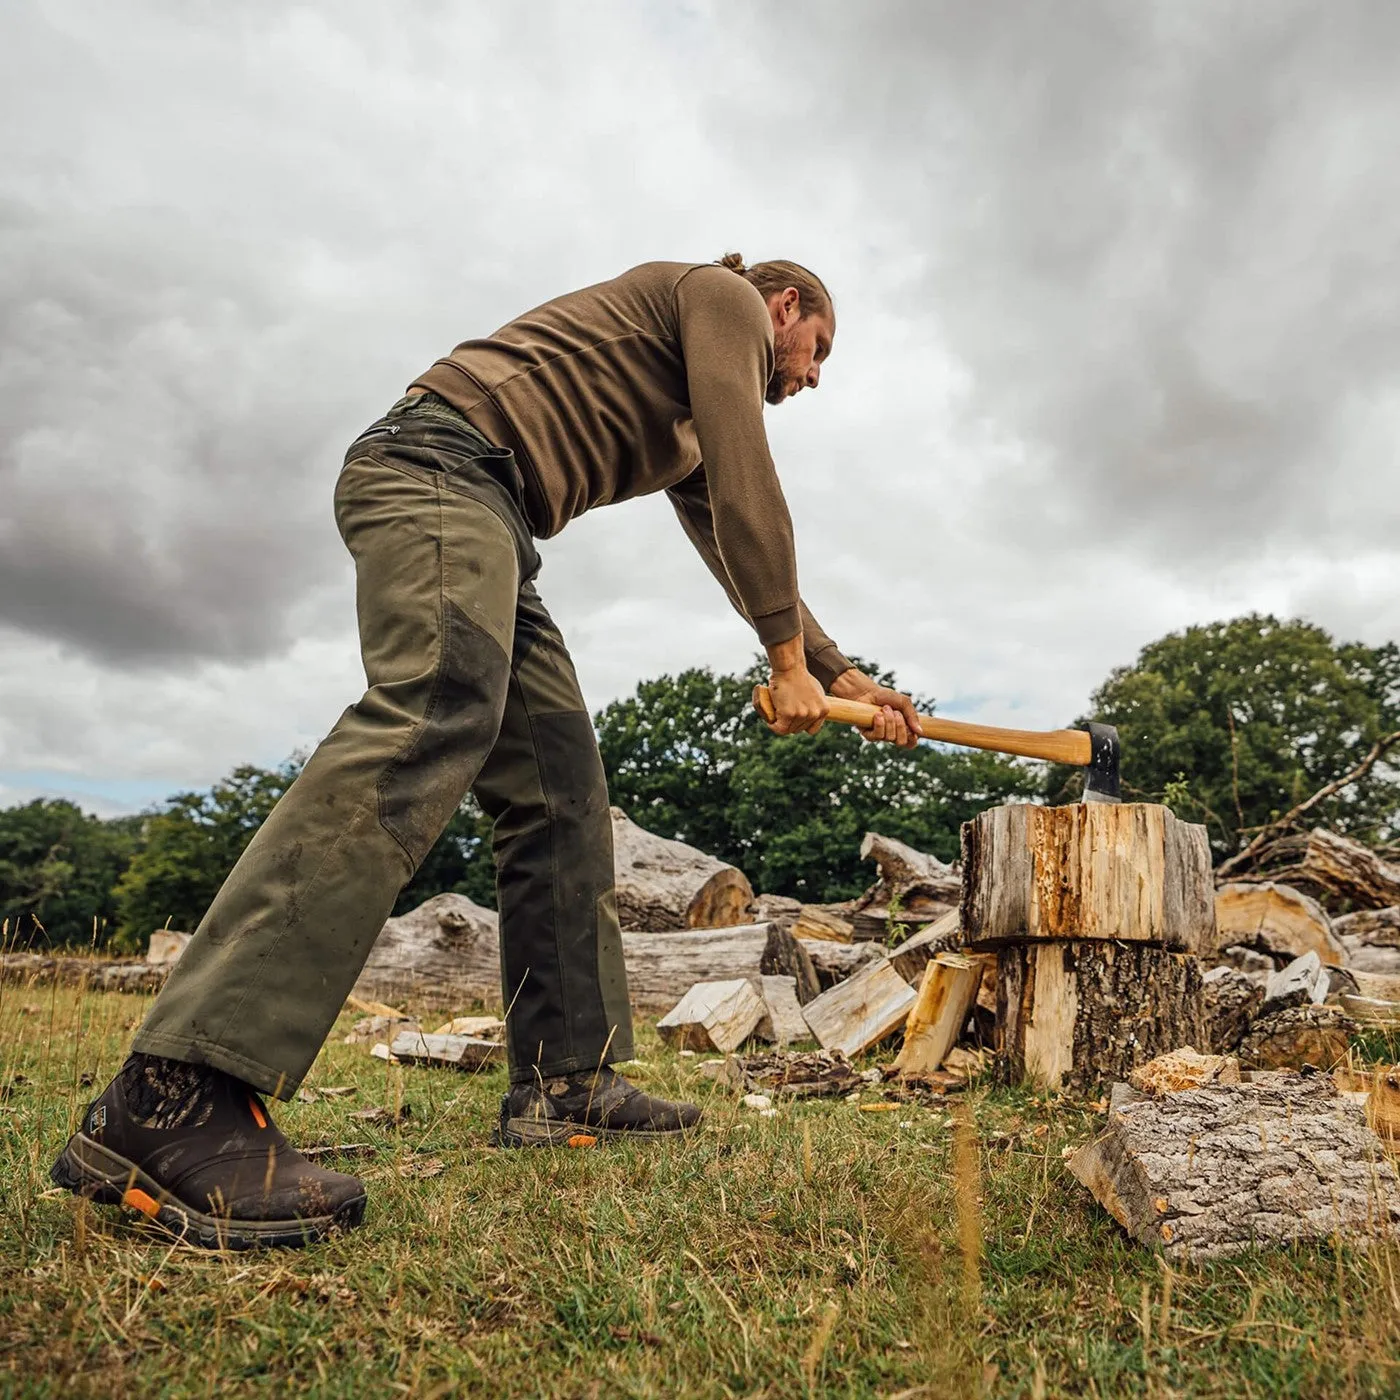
691 499
727 342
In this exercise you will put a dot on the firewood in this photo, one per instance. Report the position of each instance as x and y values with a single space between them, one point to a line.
1074 1014
165 946
453 1051
713 1016
834 962
1133 873
1184 1069
1378 986
862 1010
1277 919
1300 1035
1369 927
916 952
821 922
1230 1000
783 1022
445 953
1350 871
664 885
936 1019
1218 1170
1301 983
784 956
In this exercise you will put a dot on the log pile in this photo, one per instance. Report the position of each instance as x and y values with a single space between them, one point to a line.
664 884
913 889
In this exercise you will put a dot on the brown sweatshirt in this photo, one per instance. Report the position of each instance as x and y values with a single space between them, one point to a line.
654 381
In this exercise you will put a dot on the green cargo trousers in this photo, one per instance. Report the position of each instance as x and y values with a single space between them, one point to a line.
470 688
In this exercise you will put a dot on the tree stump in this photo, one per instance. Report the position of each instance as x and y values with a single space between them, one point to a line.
1130 872
664 885
1072 1015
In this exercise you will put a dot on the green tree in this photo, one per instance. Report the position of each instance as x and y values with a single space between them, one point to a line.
687 757
189 848
58 865
1237 721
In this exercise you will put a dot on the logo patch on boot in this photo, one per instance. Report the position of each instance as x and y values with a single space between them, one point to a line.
98 1119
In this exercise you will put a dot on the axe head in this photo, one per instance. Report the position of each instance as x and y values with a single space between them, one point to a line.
1101 776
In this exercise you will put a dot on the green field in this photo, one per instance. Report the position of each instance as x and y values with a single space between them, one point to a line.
930 1251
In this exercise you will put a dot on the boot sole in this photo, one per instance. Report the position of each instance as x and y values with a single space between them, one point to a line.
533 1132
88 1169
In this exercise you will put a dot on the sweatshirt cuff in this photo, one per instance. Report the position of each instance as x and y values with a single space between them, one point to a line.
827 664
781 626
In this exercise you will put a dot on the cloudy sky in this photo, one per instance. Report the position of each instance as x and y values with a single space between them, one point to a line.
1119 330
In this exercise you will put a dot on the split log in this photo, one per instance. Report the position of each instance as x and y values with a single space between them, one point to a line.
774 909
1230 1000
1350 871
784 956
784 1023
165 947
445 953
915 953
1370 1011
1277 919
1377 986
664 885
1218 1170
463 1052
876 922
936 1019
1302 1035
1070 1015
862 1010
1099 870
713 1016
1302 983
823 922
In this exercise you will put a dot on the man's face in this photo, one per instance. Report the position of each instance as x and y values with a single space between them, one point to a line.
800 346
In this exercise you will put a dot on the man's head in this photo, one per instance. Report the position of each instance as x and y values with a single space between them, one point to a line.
804 322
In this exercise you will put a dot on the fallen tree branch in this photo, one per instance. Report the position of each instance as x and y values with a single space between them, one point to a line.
1379 749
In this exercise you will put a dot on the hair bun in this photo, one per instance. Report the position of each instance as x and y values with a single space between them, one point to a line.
734 262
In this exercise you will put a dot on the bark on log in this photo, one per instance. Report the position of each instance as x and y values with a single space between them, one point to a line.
835 962
1276 919
862 1010
1132 873
1350 871
1302 1035
1230 1000
446 954
936 1019
664 885
784 956
1369 928
1215 1171
1072 1015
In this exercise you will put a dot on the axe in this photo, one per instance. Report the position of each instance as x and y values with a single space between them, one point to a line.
1094 749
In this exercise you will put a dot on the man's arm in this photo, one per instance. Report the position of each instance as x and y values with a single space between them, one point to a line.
831 669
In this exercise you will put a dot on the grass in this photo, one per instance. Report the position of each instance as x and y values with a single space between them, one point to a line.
929 1251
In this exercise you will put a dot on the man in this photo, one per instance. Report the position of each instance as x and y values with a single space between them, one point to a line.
654 381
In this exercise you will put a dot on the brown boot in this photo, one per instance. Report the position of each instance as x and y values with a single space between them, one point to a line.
596 1103
194 1150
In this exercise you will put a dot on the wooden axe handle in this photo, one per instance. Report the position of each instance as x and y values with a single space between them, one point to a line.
1056 745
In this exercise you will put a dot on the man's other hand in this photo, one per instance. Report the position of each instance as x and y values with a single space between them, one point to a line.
799 702
897 722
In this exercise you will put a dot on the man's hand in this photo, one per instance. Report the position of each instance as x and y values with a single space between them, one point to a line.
897 722
798 698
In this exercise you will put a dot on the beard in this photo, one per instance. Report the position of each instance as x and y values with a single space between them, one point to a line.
782 374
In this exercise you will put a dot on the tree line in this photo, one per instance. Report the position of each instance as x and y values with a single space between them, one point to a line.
1229 723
